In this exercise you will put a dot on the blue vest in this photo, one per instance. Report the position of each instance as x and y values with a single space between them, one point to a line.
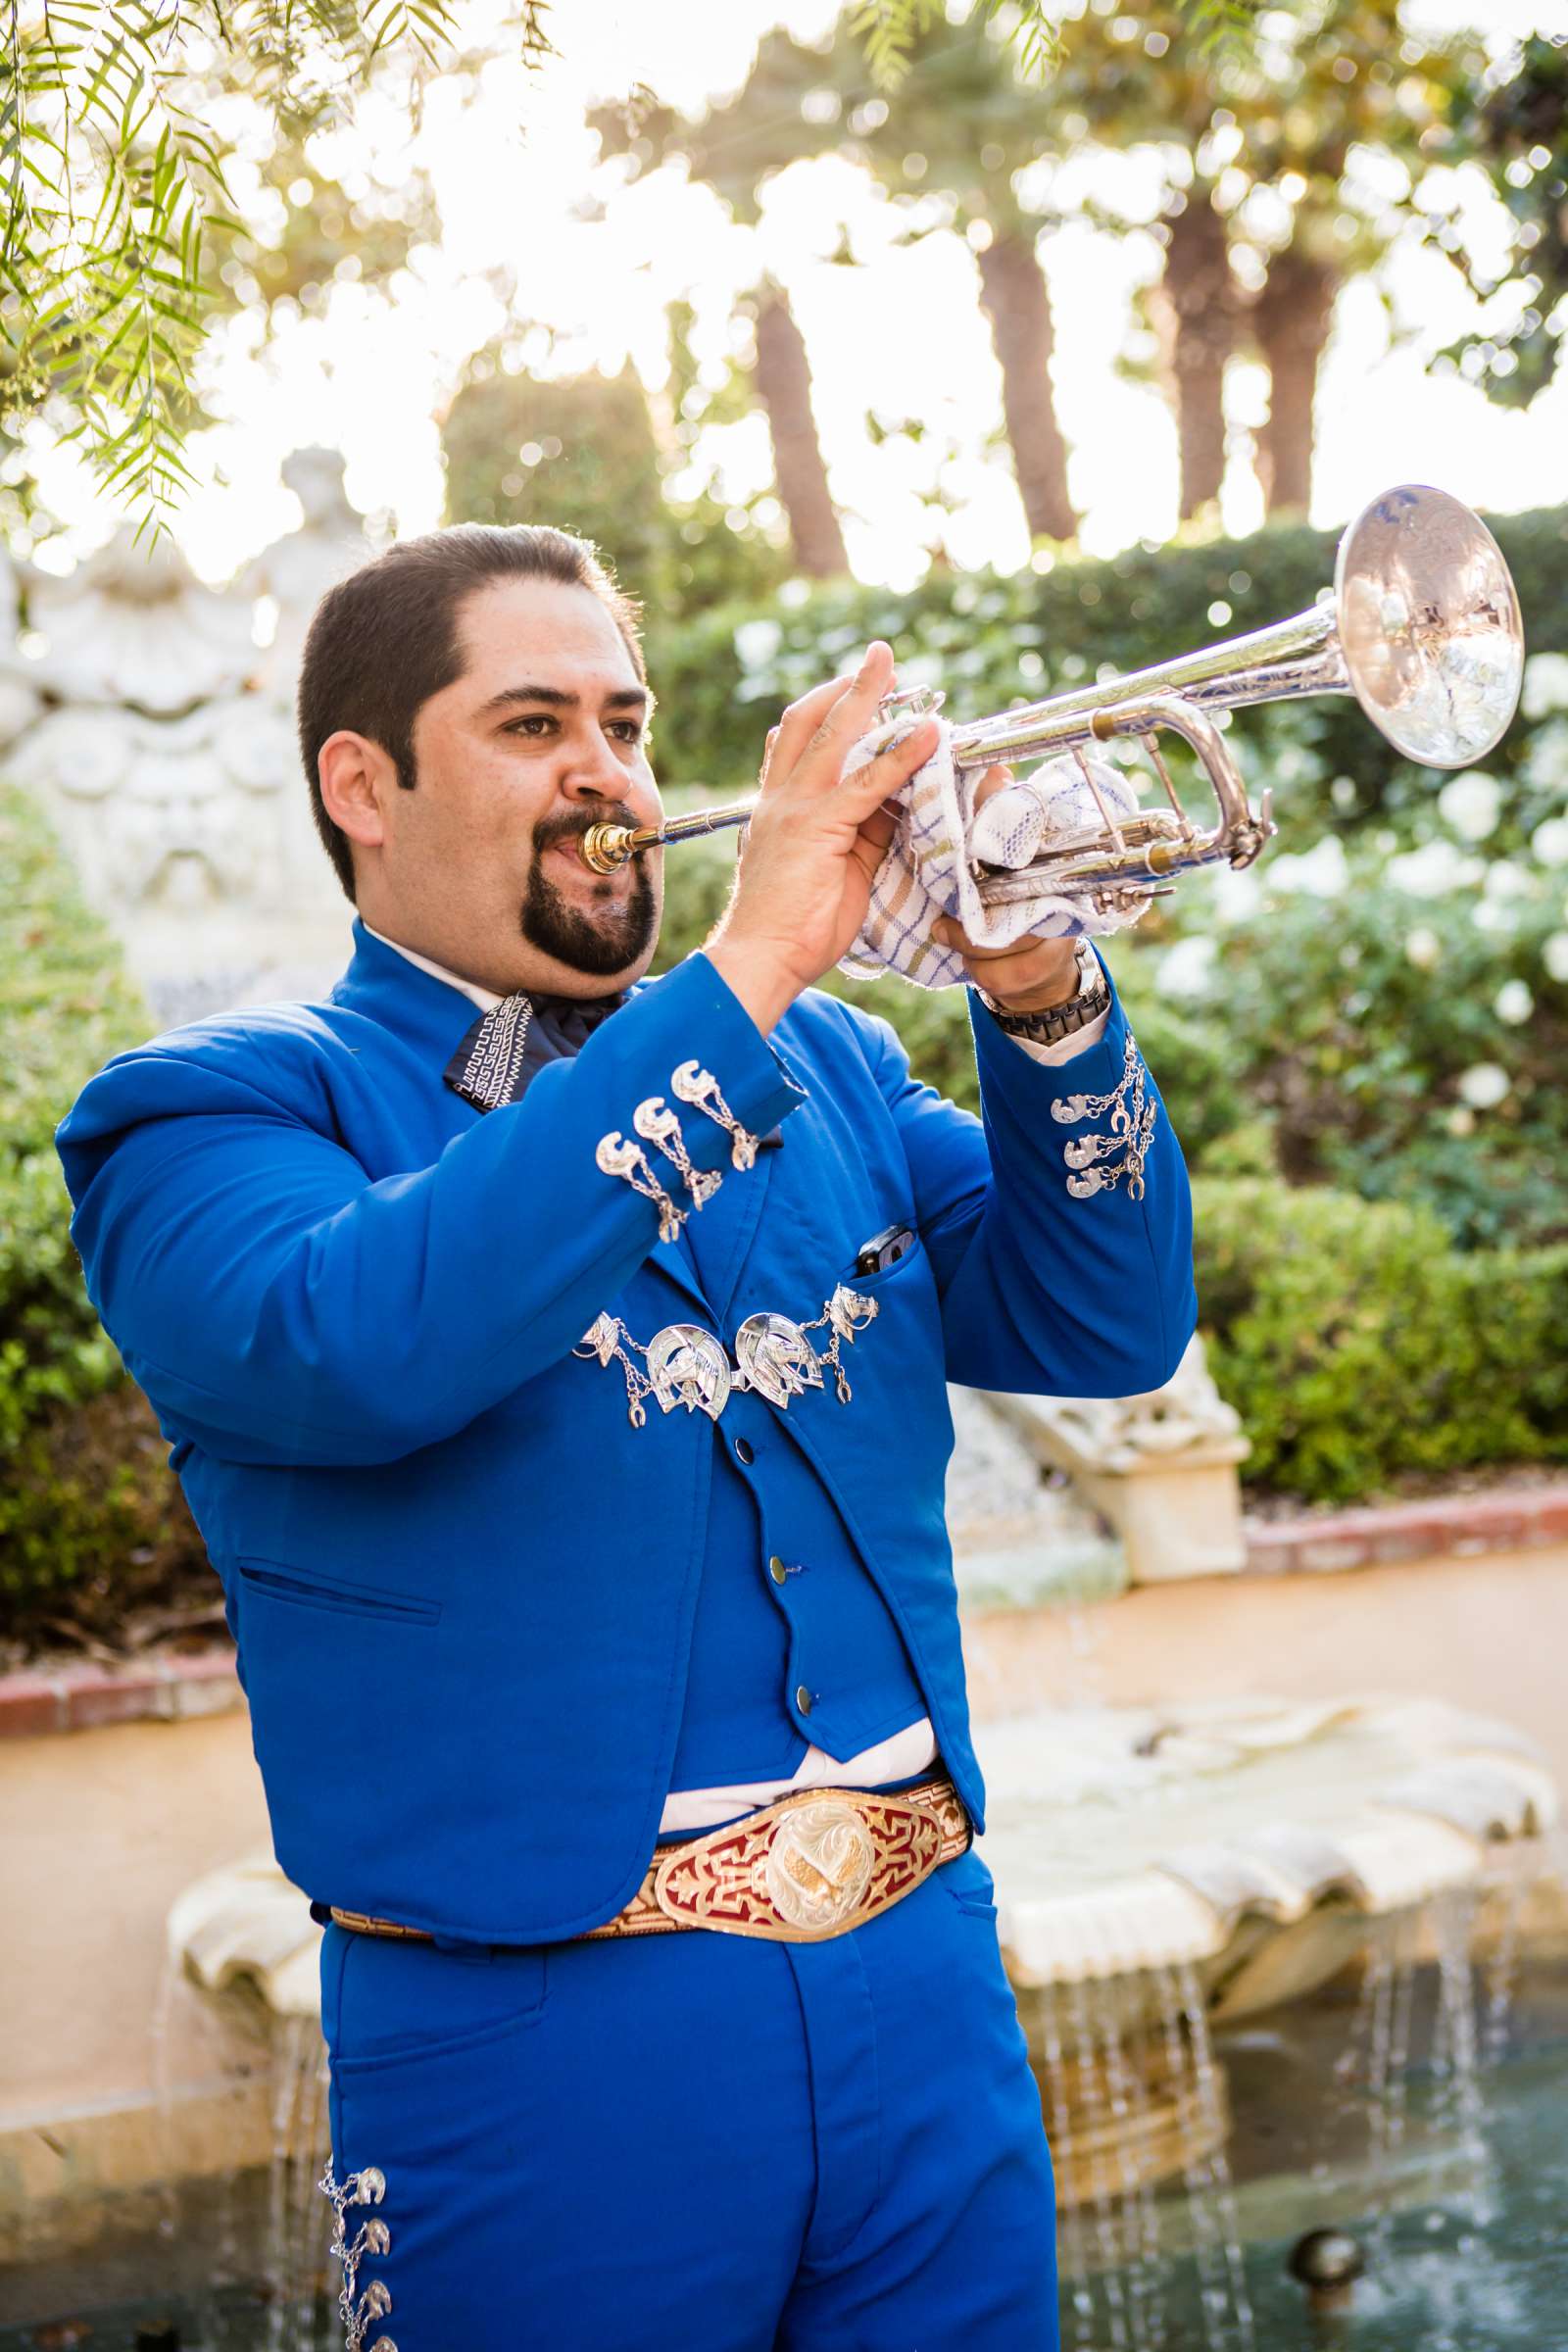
762 1636
464 1587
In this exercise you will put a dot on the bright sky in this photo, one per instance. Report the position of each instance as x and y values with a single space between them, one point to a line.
902 335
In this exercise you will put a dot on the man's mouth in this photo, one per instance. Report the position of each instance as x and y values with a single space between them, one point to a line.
571 847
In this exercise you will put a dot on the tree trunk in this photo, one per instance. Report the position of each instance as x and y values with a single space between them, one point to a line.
1194 309
784 383
1014 297
1291 319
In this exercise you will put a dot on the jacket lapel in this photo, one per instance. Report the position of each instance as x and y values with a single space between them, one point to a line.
720 1237
674 1263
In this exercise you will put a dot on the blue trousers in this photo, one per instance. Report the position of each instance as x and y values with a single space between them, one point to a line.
700 2142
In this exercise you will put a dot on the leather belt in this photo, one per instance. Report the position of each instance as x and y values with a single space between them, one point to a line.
812 1865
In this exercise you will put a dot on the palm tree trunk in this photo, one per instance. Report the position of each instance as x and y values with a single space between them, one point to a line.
1291 319
1017 302
784 384
1194 309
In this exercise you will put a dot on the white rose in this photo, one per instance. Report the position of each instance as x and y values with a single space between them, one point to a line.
1550 841
1471 804
1485 1085
1546 686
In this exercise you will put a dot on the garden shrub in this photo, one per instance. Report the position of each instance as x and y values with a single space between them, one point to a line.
1357 1343
65 1006
1397 1047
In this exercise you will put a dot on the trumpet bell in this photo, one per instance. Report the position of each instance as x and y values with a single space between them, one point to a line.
1429 627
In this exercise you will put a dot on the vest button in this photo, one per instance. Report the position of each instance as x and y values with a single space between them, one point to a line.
803 1698
776 1569
744 1450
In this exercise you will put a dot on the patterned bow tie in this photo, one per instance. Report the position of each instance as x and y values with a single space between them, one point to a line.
507 1046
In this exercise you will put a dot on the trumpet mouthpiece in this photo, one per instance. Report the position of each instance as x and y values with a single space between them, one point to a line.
607 847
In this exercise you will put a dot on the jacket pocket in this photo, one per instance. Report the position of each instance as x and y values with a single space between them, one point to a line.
311 1590
913 1257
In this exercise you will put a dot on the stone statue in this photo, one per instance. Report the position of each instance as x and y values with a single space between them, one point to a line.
133 630
161 738
18 697
296 570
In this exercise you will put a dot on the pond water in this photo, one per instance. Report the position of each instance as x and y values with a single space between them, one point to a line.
1453 2183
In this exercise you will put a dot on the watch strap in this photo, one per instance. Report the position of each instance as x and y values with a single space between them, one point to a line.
1091 999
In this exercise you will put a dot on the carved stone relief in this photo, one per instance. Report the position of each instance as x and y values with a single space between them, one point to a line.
159 733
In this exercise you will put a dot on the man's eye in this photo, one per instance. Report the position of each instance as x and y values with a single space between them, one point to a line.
534 723
630 729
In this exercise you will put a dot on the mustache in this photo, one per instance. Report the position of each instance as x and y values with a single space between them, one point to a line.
572 823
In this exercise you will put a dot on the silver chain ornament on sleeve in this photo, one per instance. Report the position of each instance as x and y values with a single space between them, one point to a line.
1132 1128
658 1125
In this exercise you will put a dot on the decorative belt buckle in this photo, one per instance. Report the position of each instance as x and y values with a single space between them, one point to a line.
802 1869
819 1867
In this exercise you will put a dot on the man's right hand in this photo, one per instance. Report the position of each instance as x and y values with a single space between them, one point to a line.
814 845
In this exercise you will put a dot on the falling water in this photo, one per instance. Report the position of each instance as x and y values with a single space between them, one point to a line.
1133 2115
1456 2053
1071 2251
1095 2142
1238 2311
1378 2057
194 2055
1501 1980
299 2228
1111 2099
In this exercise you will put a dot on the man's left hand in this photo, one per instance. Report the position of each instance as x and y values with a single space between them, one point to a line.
1030 976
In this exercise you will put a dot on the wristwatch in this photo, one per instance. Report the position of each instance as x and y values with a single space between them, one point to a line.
1089 1000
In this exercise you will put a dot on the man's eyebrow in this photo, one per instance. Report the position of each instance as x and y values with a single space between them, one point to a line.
623 698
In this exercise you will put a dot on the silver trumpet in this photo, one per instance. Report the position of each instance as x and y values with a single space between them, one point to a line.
1422 626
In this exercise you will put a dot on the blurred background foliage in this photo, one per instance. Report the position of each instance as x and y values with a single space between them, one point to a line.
89 1515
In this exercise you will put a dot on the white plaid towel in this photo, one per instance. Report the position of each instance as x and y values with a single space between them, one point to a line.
925 870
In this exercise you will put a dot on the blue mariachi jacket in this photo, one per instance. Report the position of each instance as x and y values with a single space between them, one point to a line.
461 1583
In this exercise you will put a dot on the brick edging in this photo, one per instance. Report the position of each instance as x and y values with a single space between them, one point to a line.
79 1697
1507 1519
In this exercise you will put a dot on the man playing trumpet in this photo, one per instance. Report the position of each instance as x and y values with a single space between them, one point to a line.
556 1365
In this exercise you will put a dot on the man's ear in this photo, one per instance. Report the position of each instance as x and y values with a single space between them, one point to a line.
356 777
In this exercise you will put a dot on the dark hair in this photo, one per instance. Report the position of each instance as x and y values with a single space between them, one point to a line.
384 639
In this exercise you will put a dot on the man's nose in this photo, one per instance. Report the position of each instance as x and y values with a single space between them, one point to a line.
593 772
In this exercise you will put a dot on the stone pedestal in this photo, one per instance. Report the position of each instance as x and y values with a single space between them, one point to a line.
1161 1468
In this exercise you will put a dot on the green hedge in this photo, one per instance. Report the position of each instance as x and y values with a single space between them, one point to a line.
1357 1343
82 1475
